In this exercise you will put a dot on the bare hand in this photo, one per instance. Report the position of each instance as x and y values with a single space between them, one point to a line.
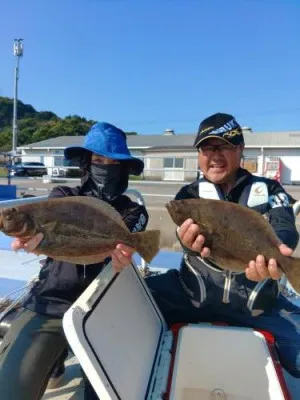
27 244
189 235
121 257
259 270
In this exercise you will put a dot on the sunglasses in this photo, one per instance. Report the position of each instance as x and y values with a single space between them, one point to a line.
222 148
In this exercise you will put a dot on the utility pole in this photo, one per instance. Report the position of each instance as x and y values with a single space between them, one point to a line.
18 52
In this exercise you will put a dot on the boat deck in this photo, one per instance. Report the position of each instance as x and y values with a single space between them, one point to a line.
71 387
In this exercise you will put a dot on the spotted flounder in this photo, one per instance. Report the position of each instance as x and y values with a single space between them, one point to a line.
76 229
235 234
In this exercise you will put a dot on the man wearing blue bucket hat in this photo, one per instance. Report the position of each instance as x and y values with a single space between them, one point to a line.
36 336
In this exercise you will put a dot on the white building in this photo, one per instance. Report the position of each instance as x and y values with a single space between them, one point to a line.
171 156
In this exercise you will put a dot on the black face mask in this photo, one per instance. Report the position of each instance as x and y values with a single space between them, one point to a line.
106 182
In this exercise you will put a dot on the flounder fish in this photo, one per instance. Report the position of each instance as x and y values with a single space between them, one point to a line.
76 229
235 234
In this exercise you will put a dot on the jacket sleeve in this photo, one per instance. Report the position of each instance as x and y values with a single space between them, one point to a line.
136 218
186 192
281 215
62 191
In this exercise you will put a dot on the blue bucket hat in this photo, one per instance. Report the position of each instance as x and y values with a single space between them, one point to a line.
108 141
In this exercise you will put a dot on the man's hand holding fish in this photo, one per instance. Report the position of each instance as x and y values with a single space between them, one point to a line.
259 270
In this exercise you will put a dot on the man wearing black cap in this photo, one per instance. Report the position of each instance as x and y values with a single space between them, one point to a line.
35 343
203 291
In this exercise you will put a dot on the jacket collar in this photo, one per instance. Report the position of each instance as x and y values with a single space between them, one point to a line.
242 178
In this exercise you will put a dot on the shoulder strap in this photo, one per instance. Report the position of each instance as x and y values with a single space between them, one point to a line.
208 190
255 193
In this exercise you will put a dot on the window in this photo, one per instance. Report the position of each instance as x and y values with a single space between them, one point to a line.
174 162
35 164
178 162
250 164
168 162
272 165
59 161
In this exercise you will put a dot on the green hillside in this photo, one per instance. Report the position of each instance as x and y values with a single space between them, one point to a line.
34 126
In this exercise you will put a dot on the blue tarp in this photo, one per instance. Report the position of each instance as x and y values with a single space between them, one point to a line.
8 192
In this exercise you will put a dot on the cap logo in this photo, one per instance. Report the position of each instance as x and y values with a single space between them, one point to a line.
232 133
228 127
206 129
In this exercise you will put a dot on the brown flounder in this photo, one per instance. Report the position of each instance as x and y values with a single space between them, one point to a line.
77 229
235 234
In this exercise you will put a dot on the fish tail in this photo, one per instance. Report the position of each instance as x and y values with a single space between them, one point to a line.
293 273
146 243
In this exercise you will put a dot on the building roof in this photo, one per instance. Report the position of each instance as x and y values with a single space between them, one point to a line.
179 141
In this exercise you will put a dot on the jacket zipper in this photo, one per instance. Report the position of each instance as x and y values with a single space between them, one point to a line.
227 284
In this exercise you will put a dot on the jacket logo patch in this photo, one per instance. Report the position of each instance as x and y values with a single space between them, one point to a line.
258 194
259 190
279 200
140 224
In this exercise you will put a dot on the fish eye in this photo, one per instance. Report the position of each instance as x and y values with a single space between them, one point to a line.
8 216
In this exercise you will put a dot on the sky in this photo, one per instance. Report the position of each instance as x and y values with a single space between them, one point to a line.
151 65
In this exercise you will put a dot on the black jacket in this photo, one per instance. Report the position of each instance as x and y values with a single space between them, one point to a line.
61 283
208 284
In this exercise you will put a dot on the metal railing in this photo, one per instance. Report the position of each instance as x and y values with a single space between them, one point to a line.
19 201
15 202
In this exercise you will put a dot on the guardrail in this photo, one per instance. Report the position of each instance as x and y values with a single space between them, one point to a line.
19 201
15 202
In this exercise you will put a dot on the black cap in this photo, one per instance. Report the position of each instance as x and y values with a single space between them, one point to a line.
221 126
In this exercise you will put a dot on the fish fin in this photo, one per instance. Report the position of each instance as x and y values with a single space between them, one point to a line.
146 243
95 203
82 260
49 226
292 273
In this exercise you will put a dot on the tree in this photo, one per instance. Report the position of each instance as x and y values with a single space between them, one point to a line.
34 126
6 111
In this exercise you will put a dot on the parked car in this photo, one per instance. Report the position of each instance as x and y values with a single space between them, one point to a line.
73 173
29 169
58 172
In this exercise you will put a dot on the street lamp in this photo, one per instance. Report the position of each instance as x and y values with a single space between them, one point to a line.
18 52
